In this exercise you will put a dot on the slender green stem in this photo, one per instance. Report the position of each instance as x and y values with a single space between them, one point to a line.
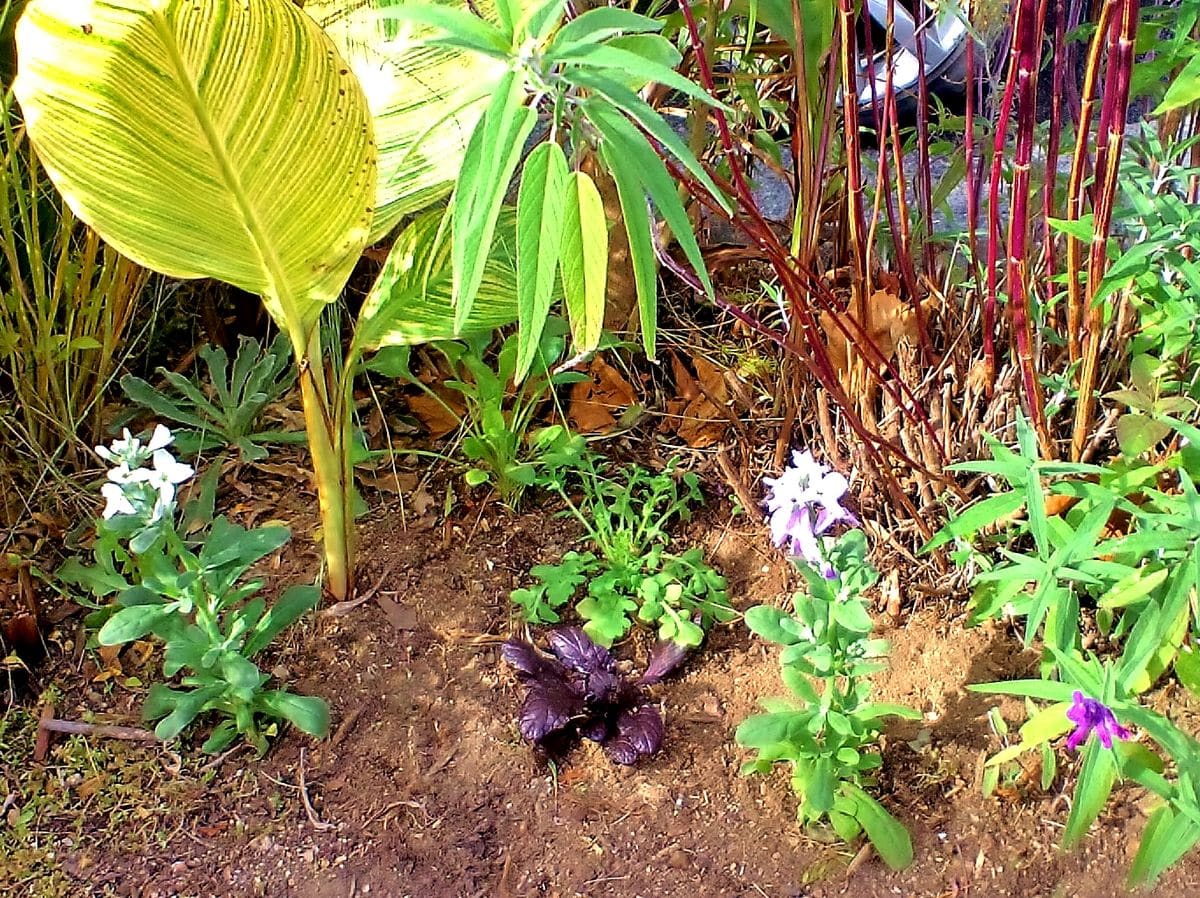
574 509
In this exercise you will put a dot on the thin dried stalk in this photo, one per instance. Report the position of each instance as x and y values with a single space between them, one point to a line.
1076 192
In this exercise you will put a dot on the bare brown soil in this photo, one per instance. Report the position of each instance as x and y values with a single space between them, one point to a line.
426 790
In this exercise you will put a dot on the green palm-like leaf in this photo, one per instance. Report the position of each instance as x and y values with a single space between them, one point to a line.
412 300
205 138
425 100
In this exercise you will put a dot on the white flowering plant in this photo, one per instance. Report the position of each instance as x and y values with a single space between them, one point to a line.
827 729
804 503
192 594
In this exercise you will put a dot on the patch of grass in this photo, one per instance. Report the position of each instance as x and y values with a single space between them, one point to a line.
89 799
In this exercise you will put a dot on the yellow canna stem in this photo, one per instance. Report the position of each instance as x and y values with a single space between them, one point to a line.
329 444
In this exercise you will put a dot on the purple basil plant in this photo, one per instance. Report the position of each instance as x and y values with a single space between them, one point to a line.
578 689
804 502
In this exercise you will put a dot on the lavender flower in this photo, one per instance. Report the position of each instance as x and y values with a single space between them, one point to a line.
803 503
1090 715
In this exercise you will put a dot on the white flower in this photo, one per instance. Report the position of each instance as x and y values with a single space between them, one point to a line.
116 501
804 502
160 439
120 450
166 475
121 473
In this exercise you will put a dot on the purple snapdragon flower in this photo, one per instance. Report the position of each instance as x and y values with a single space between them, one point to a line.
803 503
1092 716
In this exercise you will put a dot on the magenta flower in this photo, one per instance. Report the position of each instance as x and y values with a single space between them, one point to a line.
803 503
1092 716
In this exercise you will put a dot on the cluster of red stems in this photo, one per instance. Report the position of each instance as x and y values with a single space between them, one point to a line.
1012 264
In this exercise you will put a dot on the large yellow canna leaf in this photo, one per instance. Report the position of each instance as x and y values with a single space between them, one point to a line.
425 100
205 138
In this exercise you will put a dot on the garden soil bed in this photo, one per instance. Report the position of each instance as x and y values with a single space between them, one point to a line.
426 790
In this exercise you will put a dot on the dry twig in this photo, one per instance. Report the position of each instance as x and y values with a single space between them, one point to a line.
316 821
341 609
49 724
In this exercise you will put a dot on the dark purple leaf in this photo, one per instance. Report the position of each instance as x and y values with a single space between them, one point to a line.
664 659
639 732
578 652
550 705
603 686
596 730
528 660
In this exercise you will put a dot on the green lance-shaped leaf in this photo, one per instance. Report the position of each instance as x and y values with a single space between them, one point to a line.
540 203
492 157
645 115
886 833
206 138
412 299
637 155
425 100
456 26
597 25
629 63
1167 837
1184 90
584 260
641 243
1095 783
637 171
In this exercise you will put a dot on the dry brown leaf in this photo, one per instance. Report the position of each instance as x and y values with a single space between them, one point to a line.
422 501
288 473
434 416
977 377
685 384
90 786
597 403
387 481
110 656
1057 504
694 417
888 322
401 617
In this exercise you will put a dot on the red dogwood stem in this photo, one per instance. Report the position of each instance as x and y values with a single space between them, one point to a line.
1121 36
1027 41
